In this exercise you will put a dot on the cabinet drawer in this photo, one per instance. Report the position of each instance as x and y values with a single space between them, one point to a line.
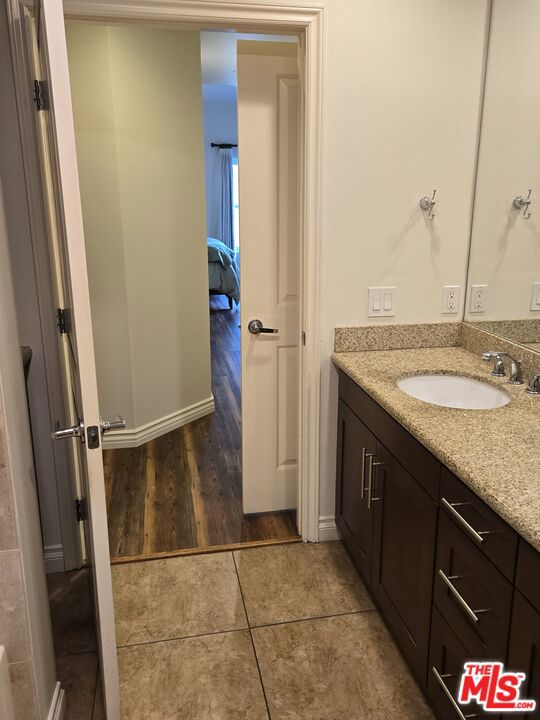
470 593
446 659
528 573
484 527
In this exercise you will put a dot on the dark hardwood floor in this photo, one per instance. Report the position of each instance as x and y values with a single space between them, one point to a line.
183 490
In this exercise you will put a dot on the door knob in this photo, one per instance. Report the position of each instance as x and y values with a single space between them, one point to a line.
256 327
69 432
107 425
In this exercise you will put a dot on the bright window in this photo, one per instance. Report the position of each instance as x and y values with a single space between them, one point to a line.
235 204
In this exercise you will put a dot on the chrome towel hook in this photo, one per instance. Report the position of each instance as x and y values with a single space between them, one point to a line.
522 203
428 204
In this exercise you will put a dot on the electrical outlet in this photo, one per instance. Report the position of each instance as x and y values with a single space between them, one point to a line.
478 298
535 297
450 299
381 301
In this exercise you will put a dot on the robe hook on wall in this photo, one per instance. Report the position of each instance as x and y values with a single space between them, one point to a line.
428 204
522 203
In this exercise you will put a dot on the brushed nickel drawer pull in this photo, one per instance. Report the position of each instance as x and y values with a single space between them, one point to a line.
475 534
449 695
472 614
367 459
363 472
370 499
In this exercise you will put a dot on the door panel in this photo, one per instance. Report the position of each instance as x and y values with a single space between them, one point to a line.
268 159
356 445
60 184
405 525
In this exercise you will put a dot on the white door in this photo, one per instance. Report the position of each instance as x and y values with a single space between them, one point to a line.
268 162
56 141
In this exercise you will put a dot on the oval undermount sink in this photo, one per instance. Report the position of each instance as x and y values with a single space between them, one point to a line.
454 391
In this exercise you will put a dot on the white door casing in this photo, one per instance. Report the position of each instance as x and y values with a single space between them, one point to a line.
268 152
60 188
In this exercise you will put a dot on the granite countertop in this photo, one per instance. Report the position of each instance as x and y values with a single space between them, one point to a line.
495 452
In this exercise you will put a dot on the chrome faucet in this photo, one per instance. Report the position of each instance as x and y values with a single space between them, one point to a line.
534 385
516 377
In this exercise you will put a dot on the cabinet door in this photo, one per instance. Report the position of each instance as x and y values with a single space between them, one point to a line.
405 523
524 651
356 448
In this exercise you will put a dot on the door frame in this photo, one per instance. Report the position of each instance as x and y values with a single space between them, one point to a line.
307 24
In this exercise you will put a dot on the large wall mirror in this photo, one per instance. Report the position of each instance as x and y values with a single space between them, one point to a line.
503 293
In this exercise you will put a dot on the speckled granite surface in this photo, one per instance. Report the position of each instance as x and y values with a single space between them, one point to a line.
478 341
525 332
392 337
495 452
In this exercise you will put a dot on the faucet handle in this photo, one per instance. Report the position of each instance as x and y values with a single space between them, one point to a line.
498 366
534 386
516 377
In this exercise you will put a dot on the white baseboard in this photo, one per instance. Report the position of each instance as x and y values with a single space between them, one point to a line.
57 710
143 434
327 529
54 558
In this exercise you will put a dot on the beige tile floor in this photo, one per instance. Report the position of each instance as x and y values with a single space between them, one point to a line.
283 633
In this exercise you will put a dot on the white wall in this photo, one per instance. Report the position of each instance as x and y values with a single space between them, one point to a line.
402 87
505 251
139 128
220 125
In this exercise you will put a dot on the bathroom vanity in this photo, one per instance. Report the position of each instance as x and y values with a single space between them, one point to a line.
438 508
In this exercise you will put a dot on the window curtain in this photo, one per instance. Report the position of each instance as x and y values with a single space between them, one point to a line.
225 219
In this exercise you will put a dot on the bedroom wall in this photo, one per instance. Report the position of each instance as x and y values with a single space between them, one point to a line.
141 165
220 125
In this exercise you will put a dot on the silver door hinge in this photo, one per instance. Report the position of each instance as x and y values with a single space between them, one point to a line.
41 95
63 320
80 509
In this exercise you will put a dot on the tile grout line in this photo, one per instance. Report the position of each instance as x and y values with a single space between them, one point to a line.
251 638
313 617
176 638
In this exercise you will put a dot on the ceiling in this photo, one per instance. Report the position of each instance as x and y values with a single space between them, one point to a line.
218 61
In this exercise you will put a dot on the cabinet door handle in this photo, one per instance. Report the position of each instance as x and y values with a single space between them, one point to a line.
475 534
448 694
464 605
372 463
363 472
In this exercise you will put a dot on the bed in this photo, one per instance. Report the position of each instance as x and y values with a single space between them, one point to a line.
223 271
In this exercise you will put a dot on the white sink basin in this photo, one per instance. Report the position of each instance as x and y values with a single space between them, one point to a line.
454 391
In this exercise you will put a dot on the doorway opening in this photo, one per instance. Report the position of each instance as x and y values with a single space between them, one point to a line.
190 206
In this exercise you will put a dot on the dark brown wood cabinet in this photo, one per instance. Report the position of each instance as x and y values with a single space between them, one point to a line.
405 526
524 650
356 449
444 569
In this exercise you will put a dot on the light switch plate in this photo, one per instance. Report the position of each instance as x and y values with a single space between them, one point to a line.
381 301
478 298
450 299
535 296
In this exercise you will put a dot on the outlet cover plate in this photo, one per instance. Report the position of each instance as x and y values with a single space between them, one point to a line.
535 296
451 299
478 298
